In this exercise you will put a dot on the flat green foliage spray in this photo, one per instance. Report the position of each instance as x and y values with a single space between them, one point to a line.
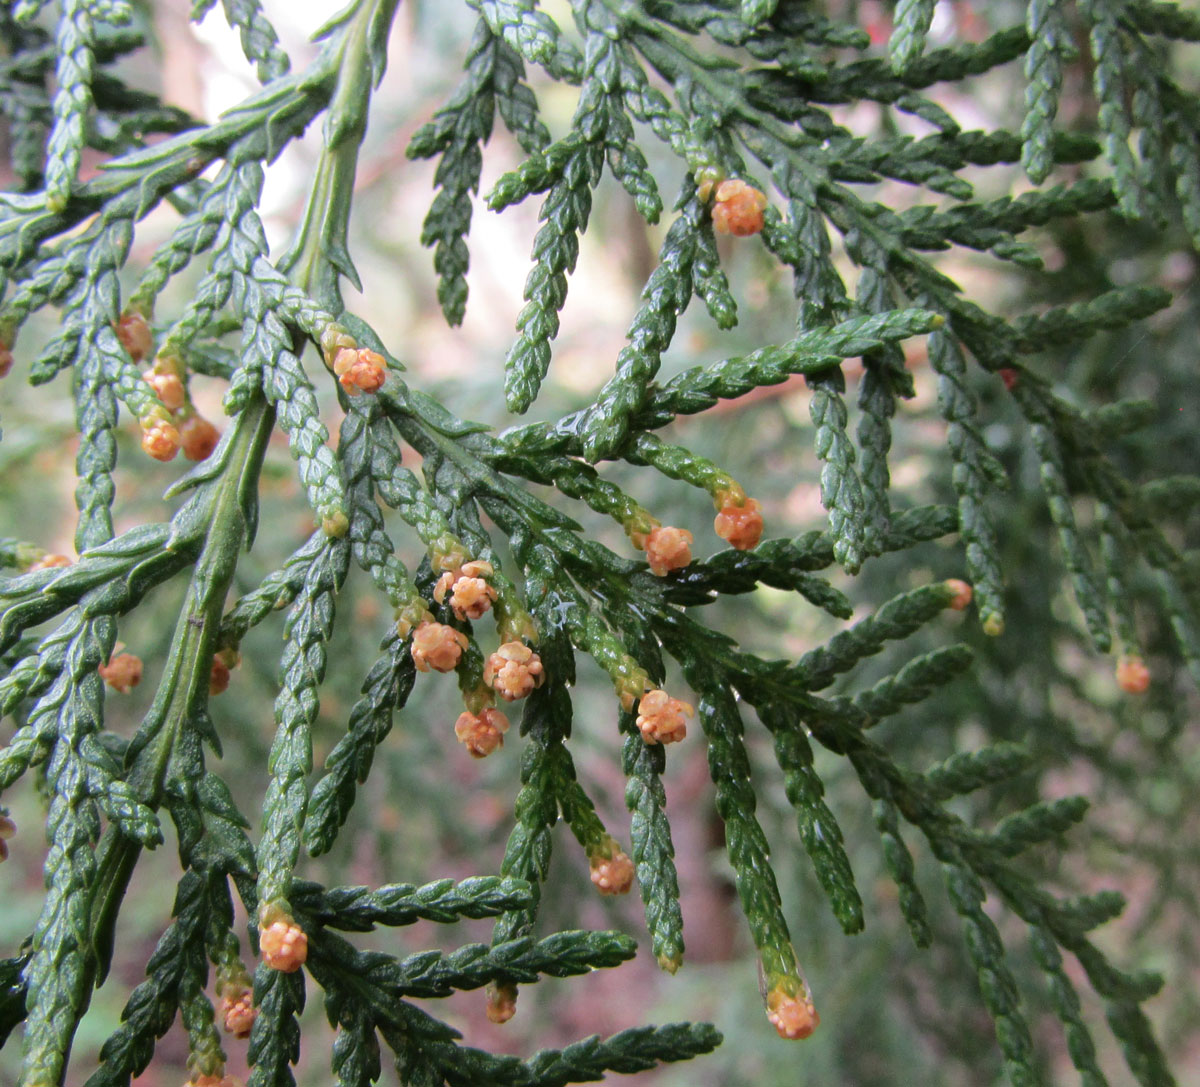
480 552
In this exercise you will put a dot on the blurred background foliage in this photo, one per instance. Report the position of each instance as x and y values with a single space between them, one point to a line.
891 1015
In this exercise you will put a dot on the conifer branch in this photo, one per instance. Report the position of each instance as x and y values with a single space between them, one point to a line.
492 534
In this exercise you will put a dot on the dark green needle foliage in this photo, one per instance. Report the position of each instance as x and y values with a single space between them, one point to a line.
747 90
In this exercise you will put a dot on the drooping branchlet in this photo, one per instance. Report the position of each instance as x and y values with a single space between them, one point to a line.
475 493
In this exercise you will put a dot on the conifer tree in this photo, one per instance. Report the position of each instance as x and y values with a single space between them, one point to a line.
486 554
